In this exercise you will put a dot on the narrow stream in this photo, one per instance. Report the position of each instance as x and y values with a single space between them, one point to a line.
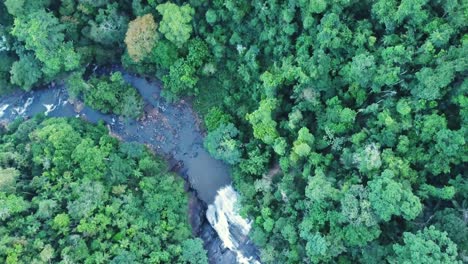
170 130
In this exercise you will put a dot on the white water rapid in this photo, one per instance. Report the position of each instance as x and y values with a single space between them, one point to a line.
233 229
49 108
2 109
22 110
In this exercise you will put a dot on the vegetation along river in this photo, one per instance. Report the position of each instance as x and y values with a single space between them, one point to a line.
170 130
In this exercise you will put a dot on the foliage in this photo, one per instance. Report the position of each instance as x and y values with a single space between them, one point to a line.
25 72
182 77
362 107
42 33
112 95
193 252
76 85
389 197
109 27
221 143
175 23
344 121
262 122
215 118
62 203
428 246
141 37
164 54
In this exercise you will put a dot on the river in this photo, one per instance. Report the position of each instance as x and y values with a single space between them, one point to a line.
170 130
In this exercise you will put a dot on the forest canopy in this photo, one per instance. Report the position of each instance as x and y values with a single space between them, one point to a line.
71 193
351 121
345 121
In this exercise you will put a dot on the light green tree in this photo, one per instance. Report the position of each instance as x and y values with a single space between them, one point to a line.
193 251
262 122
389 197
42 33
426 246
221 143
303 144
175 24
26 72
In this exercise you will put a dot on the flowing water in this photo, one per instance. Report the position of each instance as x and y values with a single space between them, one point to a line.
233 229
170 130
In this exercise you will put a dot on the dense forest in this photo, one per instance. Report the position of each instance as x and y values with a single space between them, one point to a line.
345 121
71 193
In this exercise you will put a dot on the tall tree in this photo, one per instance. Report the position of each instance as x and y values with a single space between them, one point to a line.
175 23
426 246
141 37
42 33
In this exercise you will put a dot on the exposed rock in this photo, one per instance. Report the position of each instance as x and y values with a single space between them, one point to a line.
217 253
196 214
77 106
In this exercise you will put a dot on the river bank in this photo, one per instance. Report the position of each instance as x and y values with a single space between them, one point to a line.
170 130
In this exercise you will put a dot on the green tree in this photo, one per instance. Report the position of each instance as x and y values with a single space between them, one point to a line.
12 205
256 162
46 208
95 201
61 223
26 72
164 54
23 7
426 246
76 85
451 221
181 80
447 151
303 144
8 179
113 94
432 82
175 23
109 26
90 159
221 143
389 197
368 159
42 33
262 122
361 70
193 251
216 117
280 146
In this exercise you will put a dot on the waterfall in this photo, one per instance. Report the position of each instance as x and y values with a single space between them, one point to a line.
232 229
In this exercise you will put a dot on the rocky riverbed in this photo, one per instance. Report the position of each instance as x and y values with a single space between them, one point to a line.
170 130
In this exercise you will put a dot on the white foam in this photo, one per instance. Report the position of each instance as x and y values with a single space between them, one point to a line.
49 108
22 110
2 109
223 215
